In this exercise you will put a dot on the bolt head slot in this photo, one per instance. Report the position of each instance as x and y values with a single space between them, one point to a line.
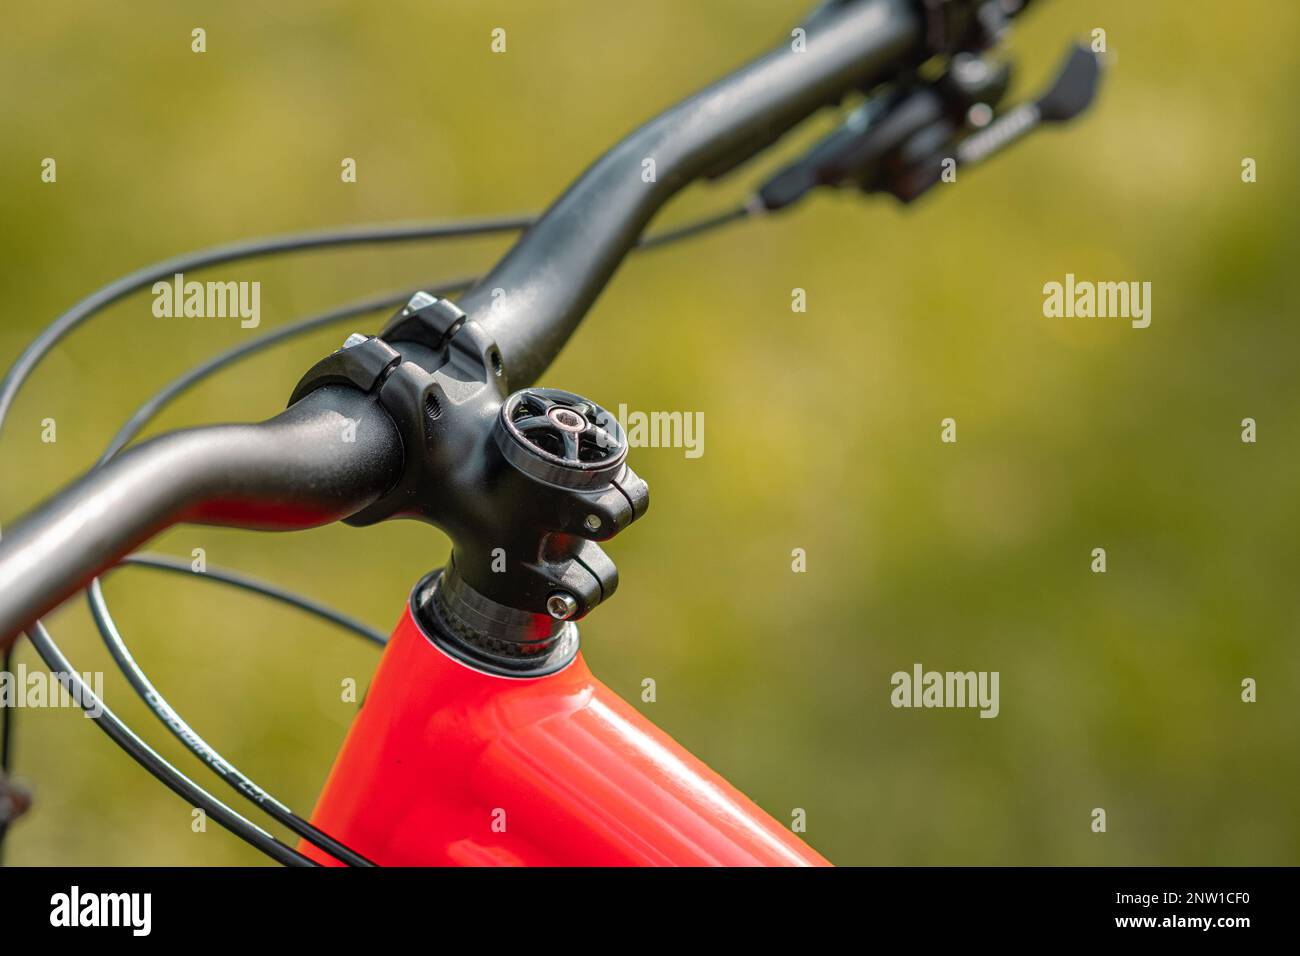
561 605
567 419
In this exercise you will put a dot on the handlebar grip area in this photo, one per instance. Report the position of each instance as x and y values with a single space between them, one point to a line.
323 459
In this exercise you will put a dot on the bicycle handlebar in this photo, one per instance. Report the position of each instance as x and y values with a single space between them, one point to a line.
323 459
553 274
297 470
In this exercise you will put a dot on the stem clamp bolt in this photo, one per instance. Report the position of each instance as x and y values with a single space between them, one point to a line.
561 606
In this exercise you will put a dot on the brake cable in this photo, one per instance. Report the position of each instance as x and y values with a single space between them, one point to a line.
240 781
83 310
41 638
165 712
162 562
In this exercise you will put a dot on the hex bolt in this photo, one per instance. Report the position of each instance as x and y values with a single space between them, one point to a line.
566 419
561 605
592 522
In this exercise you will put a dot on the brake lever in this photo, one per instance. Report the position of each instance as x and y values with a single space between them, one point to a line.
901 141
1073 92
921 163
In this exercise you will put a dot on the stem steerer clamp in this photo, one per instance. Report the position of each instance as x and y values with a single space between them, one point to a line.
524 484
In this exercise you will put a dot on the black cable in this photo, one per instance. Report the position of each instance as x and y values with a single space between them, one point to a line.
697 227
277 245
151 760
106 295
192 376
86 308
160 562
241 782
248 249
112 637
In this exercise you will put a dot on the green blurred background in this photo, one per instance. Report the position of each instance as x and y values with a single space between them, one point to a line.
822 429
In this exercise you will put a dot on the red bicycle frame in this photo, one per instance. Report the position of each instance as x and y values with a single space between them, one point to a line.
446 765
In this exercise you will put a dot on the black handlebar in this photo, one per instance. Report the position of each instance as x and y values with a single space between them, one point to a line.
337 451
323 459
554 273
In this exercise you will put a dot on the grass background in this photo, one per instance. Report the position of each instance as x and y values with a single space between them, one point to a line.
822 429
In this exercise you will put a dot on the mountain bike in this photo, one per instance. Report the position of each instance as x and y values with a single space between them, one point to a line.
482 703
